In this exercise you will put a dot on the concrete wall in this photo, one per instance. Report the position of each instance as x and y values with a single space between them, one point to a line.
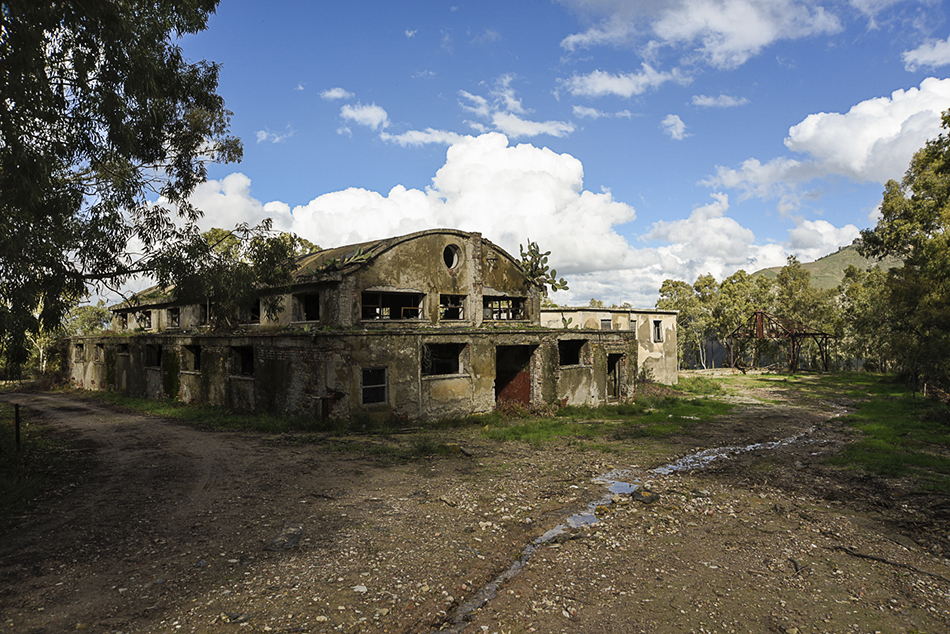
323 374
655 355
658 354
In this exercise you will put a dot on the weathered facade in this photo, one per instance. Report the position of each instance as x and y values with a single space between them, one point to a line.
434 324
655 330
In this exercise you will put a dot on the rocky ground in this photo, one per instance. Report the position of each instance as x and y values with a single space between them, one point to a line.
157 527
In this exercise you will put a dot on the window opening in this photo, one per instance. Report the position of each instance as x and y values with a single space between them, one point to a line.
191 357
606 324
124 349
451 255
442 358
392 305
98 353
254 312
374 386
242 361
145 319
78 352
153 356
123 321
504 308
451 307
174 317
308 306
569 351
658 331
204 314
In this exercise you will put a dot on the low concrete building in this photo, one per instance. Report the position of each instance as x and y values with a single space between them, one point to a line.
429 325
655 329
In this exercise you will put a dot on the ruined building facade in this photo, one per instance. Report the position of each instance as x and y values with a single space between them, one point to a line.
430 325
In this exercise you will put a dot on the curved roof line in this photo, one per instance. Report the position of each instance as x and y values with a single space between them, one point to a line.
350 257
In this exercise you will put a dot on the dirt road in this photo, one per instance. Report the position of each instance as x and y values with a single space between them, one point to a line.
157 527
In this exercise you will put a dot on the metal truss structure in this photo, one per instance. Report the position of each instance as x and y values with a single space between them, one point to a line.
762 325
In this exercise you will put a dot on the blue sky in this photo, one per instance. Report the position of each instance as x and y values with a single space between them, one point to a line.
637 140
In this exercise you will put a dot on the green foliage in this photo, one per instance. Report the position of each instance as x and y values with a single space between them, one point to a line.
651 416
228 269
100 111
535 267
902 436
915 226
696 306
88 319
797 299
701 385
827 272
868 332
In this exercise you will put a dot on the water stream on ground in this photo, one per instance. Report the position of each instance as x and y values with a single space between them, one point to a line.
617 482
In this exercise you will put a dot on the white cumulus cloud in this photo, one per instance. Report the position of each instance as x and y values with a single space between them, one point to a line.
674 126
512 193
332 94
872 142
723 33
600 83
371 116
274 137
721 101
932 54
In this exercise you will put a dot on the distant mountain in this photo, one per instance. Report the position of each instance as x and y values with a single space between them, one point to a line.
828 271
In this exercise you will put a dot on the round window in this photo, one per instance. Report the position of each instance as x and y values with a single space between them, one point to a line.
452 255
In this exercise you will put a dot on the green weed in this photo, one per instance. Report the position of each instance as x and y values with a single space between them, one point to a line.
902 435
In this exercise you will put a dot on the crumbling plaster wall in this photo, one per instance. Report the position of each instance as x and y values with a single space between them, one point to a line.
658 357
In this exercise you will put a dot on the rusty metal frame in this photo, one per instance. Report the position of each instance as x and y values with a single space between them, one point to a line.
762 325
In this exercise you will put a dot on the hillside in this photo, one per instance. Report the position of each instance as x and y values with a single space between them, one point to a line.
828 271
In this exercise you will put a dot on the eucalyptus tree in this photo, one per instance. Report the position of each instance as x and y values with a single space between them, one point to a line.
105 131
915 226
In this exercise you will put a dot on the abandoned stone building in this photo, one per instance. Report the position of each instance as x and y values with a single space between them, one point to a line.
434 324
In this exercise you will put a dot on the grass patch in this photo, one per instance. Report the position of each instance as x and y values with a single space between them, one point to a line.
903 435
700 385
647 417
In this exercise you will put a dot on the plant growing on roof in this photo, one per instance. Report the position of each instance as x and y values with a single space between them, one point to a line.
534 263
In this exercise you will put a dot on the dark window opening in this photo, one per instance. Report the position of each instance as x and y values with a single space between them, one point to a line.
451 307
124 349
569 351
374 385
204 314
242 361
442 358
504 308
99 353
308 306
658 331
145 319
174 317
191 358
614 364
452 255
606 324
253 312
153 356
78 351
392 305
123 321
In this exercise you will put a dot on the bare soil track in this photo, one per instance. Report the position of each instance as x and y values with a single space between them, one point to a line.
158 527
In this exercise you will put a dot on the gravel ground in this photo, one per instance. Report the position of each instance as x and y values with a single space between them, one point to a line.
157 527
